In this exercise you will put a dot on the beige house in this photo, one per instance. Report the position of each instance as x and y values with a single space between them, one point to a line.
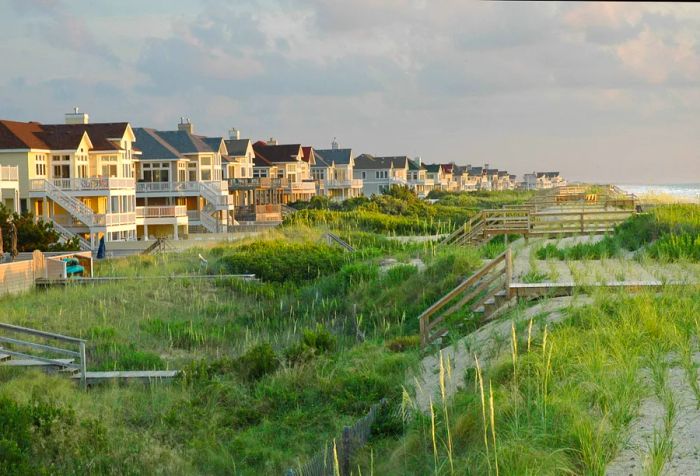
237 167
9 187
333 173
284 176
77 175
418 179
180 188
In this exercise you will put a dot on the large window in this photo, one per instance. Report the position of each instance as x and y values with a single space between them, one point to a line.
61 171
156 172
41 164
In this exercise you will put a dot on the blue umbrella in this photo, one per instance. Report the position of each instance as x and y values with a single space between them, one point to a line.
101 249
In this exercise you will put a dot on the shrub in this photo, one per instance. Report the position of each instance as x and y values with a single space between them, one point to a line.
403 343
281 261
312 343
257 362
388 422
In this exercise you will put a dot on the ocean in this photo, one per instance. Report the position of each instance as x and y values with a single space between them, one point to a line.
684 191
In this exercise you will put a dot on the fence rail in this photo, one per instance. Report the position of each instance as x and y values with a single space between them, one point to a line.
79 354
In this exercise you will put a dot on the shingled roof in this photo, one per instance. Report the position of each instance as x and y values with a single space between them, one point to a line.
366 161
335 156
153 146
278 153
33 135
237 147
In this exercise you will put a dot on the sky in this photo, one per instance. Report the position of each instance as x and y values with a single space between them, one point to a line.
597 91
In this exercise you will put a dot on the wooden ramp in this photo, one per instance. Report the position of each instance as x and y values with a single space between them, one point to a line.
146 376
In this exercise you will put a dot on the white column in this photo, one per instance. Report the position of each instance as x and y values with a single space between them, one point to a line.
175 235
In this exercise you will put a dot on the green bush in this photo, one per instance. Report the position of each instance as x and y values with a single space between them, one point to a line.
281 261
257 362
672 247
312 343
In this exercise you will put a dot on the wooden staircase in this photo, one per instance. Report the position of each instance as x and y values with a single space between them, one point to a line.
333 239
46 360
483 293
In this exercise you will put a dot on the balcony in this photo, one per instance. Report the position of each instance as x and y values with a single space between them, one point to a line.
9 173
424 182
169 211
88 184
341 184
167 187
100 220
303 186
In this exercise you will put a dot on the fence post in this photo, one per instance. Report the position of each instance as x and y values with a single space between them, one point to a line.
345 465
83 366
423 336
509 270
581 221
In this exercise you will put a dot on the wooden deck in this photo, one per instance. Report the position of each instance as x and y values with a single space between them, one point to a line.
145 376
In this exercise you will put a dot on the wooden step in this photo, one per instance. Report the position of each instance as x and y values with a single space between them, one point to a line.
35 363
501 297
3 356
490 305
122 375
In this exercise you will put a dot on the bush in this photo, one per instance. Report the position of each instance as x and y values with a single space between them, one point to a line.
281 261
388 422
312 344
403 343
257 362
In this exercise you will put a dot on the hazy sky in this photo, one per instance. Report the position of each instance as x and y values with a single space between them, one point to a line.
597 91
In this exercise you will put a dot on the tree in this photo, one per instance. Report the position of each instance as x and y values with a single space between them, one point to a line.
32 235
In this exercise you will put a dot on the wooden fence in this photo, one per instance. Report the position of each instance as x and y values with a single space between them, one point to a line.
335 457
20 276
489 283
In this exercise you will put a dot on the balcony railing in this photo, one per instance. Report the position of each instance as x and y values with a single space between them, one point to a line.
155 187
100 219
351 183
9 173
161 212
83 184
305 186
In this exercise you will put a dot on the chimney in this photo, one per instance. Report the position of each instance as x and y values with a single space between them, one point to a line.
77 117
419 161
234 134
334 144
272 141
185 125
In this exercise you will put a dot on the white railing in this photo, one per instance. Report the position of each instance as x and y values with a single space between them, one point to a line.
68 235
120 218
216 193
9 173
83 184
164 211
352 183
151 187
72 205
209 222
304 186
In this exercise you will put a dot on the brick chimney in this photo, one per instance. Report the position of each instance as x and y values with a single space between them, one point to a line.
185 125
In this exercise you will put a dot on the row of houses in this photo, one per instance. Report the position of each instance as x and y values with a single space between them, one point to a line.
118 182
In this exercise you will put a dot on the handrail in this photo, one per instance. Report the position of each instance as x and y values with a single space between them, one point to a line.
426 325
335 238
69 235
71 204
80 354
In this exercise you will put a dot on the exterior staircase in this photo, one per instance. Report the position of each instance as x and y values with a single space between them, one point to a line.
71 204
483 294
68 235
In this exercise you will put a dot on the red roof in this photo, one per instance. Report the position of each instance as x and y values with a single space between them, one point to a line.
307 153
32 135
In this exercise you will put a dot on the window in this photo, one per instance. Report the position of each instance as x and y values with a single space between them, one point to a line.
109 170
364 175
206 174
40 165
82 171
192 171
61 171
156 172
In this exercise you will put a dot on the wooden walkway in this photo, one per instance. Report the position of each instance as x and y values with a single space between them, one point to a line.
145 376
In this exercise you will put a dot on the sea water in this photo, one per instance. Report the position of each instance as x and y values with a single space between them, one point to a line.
684 191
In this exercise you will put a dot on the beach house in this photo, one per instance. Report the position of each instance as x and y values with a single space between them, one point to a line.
180 188
378 174
77 175
9 187
334 173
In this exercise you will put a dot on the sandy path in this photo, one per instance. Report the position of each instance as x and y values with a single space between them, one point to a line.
487 343
684 458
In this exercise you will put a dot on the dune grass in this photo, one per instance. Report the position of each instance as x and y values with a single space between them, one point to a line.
560 400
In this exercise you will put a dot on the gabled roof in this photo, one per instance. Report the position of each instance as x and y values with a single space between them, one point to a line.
278 153
447 168
476 171
237 147
433 168
308 155
153 146
415 165
366 161
335 156
32 135
184 142
214 143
